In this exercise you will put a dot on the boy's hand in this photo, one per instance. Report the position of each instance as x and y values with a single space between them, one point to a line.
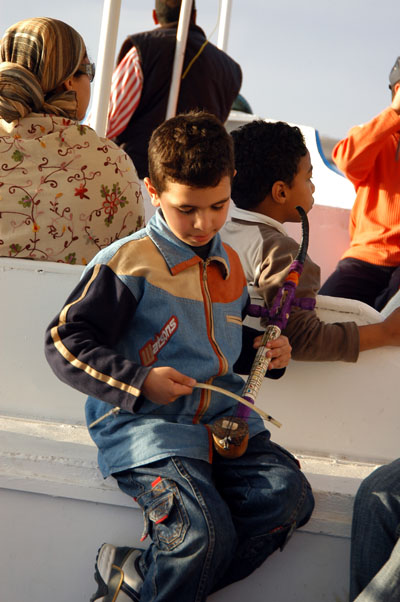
280 351
382 333
164 385
391 327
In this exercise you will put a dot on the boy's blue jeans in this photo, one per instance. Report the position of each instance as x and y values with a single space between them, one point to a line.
213 524
375 543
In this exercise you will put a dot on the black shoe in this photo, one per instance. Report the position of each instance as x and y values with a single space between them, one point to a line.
117 573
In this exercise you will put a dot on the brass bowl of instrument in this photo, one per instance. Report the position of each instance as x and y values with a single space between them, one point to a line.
230 436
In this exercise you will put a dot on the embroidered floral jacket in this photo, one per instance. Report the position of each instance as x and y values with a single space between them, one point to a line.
65 193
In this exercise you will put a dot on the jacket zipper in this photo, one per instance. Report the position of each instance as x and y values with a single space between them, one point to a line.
206 395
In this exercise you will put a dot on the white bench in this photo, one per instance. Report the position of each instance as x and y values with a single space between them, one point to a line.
340 419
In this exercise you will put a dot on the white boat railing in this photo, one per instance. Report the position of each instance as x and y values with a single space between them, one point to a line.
105 65
181 39
224 24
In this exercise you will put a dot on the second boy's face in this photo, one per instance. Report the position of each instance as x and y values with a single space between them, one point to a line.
194 215
301 190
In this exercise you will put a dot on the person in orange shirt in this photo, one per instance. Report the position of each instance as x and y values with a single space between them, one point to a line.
370 157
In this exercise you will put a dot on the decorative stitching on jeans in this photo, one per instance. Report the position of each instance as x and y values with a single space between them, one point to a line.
167 535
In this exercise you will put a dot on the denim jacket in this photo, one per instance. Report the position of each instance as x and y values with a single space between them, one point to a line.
148 300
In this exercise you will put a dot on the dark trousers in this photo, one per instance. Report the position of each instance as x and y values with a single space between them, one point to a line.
213 524
356 279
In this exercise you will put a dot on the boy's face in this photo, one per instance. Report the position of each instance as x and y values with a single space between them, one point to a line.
301 190
194 215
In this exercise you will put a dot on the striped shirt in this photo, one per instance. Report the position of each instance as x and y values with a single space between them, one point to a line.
126 90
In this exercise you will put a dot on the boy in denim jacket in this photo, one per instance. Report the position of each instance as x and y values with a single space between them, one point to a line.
155 314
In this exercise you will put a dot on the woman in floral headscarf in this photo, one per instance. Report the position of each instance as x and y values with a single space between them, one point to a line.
64 192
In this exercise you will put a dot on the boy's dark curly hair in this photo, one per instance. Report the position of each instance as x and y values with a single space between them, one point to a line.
265 152
192 149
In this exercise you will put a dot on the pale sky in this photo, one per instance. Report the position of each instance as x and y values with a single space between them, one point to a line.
317 62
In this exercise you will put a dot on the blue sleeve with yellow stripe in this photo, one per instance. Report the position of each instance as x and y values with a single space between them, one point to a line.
81 341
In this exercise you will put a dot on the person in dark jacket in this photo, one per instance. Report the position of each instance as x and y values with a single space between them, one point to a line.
211 81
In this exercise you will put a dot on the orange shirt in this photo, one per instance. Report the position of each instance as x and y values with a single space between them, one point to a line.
370 158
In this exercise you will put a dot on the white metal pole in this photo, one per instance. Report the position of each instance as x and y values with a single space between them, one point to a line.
224 24
181 38
105 65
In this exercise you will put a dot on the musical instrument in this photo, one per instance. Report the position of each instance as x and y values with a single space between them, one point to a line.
231 433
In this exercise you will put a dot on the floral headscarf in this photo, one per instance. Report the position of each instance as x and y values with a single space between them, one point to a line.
37 55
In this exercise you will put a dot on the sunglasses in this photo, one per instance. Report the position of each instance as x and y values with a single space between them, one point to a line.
89 69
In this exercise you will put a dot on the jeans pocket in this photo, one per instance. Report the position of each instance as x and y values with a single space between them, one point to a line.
165 516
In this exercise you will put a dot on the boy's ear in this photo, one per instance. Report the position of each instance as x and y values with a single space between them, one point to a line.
154 198
279 192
